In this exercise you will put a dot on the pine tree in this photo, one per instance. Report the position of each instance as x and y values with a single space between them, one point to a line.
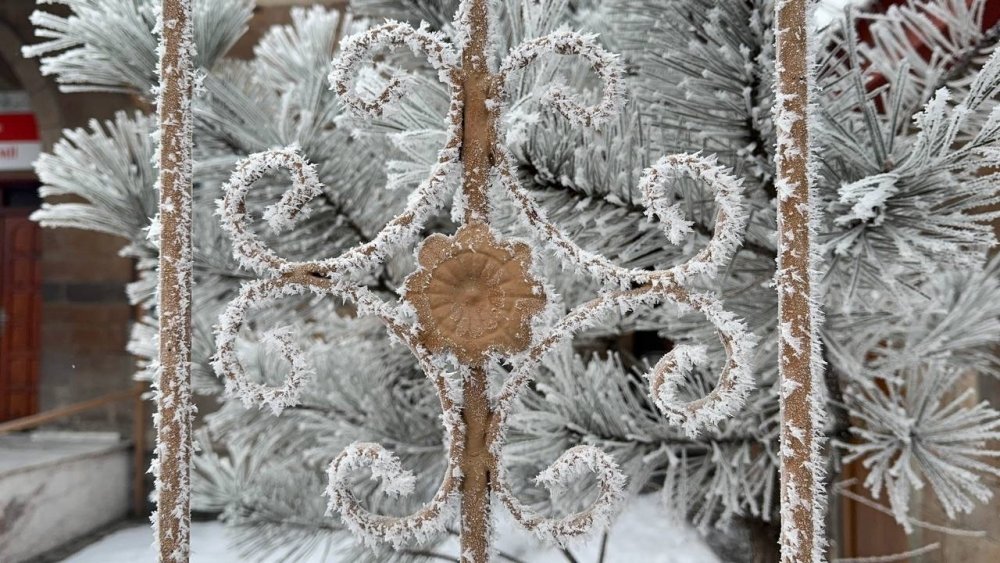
906 146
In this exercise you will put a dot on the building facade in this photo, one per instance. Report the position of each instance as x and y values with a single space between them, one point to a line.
65 315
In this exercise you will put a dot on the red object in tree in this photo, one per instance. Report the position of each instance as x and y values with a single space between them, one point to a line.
991 16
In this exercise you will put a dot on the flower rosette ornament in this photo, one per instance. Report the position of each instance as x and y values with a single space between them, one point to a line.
475 297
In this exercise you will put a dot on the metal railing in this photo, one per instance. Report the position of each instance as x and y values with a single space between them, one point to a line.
138 431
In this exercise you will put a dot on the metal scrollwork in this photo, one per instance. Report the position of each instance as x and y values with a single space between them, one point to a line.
493 282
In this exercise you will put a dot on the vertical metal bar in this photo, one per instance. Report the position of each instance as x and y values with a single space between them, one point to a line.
174 412
801 520
478 136
476 467
478 139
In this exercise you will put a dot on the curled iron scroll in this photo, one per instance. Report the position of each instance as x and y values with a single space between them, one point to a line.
623 289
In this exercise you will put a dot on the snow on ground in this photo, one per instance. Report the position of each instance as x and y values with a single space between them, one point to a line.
644 532
135 545
829 11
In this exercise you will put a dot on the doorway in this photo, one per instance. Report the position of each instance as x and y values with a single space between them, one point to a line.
20 299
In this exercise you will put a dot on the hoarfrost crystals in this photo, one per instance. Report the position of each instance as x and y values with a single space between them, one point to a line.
625 289
904 179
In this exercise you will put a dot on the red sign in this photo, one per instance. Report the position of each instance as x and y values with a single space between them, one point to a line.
18 127
19 139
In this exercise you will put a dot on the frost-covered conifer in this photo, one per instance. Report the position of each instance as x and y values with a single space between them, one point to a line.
906 148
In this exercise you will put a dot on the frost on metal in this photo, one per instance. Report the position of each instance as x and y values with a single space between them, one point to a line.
801 366
605 65
373 529
571 466
487 284
907 145
172 385
357 50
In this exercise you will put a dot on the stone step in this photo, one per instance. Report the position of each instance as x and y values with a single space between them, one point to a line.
56 487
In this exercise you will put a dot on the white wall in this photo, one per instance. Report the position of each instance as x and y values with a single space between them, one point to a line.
55 491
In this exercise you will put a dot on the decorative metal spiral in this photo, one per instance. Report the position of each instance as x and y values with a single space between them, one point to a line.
623 289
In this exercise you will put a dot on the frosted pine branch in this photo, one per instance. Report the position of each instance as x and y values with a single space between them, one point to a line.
916 433
109 46
908 286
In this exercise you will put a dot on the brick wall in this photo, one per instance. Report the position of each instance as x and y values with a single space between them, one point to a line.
85 323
